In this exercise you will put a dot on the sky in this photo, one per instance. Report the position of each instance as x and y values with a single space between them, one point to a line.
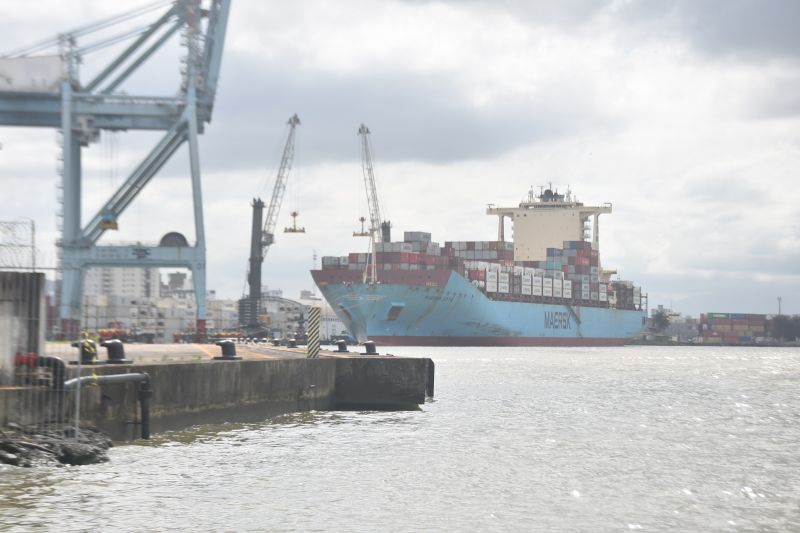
684 114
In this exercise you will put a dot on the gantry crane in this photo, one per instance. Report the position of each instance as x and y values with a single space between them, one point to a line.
262 238
40 90
379 230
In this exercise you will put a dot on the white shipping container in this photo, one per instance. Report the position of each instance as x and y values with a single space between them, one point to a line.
557 292
491 286
503 277
568 294
536 290
502 287
603 288
567 285
585 287
518 271
558 284
603 297
491 276
537 281
527 279
548 291
530 271
548 283
526 289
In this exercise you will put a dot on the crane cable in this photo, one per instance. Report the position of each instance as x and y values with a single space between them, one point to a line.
85 30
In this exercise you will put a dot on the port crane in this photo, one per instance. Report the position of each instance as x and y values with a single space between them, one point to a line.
262 238
40 86
379 229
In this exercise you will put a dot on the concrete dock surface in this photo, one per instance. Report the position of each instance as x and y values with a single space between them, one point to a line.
172 353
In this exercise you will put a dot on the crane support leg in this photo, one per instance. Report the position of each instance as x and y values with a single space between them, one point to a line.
70 303
194 163
199 282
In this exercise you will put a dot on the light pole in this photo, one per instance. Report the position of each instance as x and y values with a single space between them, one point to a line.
779 305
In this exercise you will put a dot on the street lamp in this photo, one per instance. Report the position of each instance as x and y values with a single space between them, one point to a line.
779 305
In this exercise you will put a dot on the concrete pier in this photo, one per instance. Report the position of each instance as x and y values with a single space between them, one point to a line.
265 383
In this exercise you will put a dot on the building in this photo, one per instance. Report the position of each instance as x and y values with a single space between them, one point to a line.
329 324
134 282
148 310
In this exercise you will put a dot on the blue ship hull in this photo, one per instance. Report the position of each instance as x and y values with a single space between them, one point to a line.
458 314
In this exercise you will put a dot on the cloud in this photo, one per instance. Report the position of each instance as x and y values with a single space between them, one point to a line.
658 108
738 29
421 117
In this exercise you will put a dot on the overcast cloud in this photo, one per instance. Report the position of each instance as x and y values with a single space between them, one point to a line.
685 115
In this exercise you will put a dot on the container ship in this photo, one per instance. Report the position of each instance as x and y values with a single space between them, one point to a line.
546 287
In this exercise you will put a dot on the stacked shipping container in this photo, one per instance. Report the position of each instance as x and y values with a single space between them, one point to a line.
733 328
571 273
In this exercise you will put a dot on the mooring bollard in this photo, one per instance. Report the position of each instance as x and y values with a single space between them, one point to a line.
88 351
115 351
291 343
228 351
341 346
369 346
276 342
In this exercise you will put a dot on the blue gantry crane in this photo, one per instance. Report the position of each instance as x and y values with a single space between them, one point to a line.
38 89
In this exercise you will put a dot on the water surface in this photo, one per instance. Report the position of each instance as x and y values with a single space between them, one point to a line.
517 439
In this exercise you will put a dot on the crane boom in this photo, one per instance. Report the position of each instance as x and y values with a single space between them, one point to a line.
375 219
262 239
280 187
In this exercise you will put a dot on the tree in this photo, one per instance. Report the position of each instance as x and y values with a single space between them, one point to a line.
659 321
785 327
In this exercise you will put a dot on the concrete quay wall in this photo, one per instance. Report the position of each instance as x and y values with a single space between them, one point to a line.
188 393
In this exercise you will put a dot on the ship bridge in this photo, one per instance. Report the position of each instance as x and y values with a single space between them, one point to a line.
546 221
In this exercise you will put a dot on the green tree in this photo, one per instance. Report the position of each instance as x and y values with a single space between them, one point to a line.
786 327
659 321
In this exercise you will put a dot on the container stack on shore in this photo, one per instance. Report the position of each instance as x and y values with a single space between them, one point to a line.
568 275
733 328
